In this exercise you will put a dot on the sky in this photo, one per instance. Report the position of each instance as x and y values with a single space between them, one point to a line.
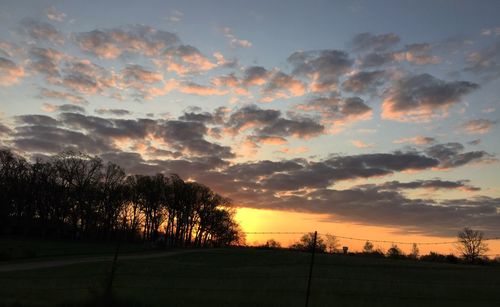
367 119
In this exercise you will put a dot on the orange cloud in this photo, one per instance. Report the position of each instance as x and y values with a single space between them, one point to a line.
361 144
10 73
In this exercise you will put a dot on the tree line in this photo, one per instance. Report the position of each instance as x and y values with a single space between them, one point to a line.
470 244
77 196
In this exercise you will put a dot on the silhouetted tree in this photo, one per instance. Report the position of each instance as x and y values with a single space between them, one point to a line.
74 195
471 244
395 252
368 247
332 243
271 243
307 241
414 252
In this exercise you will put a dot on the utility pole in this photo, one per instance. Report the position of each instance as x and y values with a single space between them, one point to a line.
311 268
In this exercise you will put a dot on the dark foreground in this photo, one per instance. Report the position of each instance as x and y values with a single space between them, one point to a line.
251 277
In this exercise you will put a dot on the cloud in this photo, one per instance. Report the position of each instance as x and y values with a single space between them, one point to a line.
281 85
175 16
85 77
133 74
54 14
51 94
338 111
416 140
419 98
10 72
270 123
46 61
41 31
116 112
417 54
376 59
235 42
255 75
478 126
368 41
132 39
491 31
54 140
451 155
433 184
323 67
364 81
200 90
485 62
48 107
97 135
185 59
361 144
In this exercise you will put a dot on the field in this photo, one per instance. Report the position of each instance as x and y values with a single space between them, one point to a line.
252 277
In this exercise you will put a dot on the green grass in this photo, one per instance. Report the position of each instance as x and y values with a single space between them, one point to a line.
251 277
22 248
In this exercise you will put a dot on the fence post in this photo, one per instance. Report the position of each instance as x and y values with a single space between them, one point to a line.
311 268
109 285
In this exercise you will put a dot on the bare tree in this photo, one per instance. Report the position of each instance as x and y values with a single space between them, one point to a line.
414 252
332 243
471 244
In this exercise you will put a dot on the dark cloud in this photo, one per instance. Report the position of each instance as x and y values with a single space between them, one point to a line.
338 111
427 184
46 61
189 136
4 130
281 85
86 77
136 76
485 62
116 112
453 155
267 122
71 108
197 117
37 120
323 66
421 97
368 41
42 31
50 139
133 39
376 59
364 81
255 75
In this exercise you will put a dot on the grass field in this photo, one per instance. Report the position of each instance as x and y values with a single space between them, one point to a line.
251 277
22 248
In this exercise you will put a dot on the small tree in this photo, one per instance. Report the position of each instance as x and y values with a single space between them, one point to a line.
332 243
414 252
394 252
271 243
306 243
471 244
368 248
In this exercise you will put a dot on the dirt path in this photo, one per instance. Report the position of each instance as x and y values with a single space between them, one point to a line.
64 262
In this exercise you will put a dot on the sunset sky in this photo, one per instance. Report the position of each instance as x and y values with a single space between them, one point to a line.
367 119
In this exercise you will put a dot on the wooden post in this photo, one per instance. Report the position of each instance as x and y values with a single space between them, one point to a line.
311 268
